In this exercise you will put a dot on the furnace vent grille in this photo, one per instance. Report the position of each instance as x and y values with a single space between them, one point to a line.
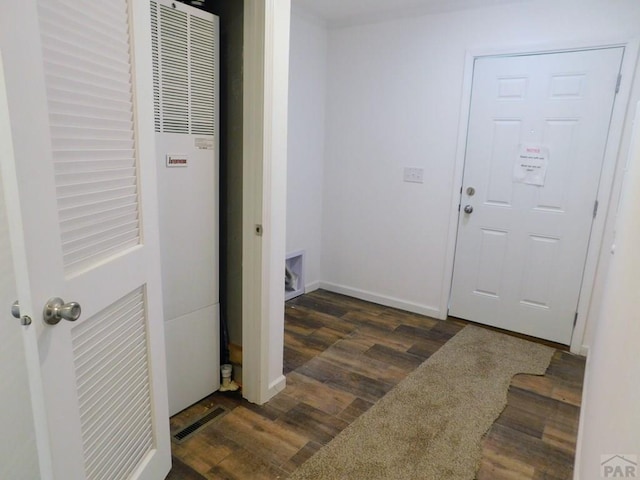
184 71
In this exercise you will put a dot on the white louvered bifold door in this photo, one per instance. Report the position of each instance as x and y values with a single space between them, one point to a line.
81 190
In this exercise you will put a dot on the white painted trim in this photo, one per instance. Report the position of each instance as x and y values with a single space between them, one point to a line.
277 386
312 286
614 160
609 181
382 299
266 73
289 294
458 172
583 406
253 113
274 196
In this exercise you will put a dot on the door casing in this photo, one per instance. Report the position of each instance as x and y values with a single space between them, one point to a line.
266 74
610 181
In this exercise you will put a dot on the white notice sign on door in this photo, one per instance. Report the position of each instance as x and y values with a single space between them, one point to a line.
531 165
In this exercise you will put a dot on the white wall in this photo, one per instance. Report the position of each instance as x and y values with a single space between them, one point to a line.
610 414
305 171
394 96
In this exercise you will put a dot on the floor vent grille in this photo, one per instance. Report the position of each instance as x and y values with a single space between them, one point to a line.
186 432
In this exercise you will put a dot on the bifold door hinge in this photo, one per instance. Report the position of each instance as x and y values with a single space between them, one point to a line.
575 319
595 209
618 82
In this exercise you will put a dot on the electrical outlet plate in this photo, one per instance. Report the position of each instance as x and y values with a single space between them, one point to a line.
414 175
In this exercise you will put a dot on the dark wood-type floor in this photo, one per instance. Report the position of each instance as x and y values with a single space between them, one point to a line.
341 356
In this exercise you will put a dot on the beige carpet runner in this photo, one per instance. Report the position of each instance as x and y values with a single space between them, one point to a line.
431 424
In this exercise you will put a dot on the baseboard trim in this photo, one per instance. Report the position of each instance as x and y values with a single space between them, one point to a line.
310 287
275 388
382 299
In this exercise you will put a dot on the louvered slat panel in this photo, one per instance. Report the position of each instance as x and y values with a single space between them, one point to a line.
81 225
104 354
114 80
111 421
109 225
99 404
84 213
83 82
105 112
102 427
114 470
184 71
66 143
72 201
71 19
75 120
69 97
82 54
77 161
112 380
72 178
100 410
174 70
88 78
71 133
156 66
89 185
109 246
202 70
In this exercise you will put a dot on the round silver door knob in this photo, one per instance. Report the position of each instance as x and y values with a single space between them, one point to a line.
468 209
56 310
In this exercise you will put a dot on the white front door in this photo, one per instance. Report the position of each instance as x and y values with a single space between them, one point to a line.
77 163
538 126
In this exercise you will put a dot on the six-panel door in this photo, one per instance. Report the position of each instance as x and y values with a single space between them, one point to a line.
537 131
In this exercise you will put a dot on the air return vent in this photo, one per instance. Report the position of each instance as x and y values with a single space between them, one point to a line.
184 71
186 432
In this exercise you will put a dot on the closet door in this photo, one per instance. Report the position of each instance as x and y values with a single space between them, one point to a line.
76 129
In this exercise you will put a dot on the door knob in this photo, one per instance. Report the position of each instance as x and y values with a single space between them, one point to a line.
468 209
15 311
56 310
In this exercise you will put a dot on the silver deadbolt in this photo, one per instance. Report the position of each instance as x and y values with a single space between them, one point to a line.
471 191
15 311
56 310
468 209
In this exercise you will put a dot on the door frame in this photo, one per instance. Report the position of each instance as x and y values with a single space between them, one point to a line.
608 189
265 107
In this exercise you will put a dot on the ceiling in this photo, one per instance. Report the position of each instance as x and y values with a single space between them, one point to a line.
349 12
